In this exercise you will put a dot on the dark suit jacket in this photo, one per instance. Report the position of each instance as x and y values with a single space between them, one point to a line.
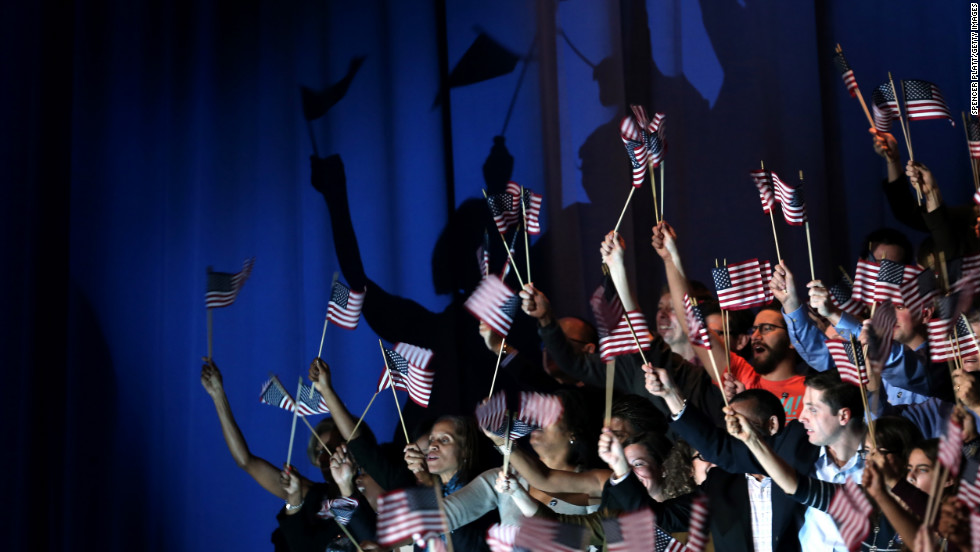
733 457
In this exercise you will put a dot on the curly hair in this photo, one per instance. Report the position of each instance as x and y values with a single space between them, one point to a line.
679 471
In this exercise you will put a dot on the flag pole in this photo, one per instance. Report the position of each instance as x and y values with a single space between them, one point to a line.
361 419
653 188
860 96
610 382
628 198
437 487
292 432
901 119
507 442
349 536
210 333
973 162
527 242
714 365
325 319
809 244
661 190
391 382
507 247
500 354
772 219
864 391
284 392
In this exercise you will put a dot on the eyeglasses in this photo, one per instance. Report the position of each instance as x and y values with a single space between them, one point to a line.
765 328
697 456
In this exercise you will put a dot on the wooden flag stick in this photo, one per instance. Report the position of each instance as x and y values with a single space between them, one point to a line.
809 244
210 333
313 431
610 382
507 443
361 419
860 97
714 367
292 432
442 513
513 263
847 276
661 190
349 536
391 382
527 243
629 324
973 164
296 410
728 353
864 390
901 119
628 198
500 354
772 218
653 188
325 319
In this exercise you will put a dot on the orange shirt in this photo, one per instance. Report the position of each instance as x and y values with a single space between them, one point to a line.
789 391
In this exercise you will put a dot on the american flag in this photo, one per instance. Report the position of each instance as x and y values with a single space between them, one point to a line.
975 530
846 73
841 295
532 208
544 535
409 514
666 543
949 334
406 375
500 538
881 331
923 100
636 148
919 290
884 107
223 287
341 509
698 530
969 491
761 179
310 402
344 308
891 276
865 275
493 417
851 510
951 447
766 278
620 340
973 141
507 265
275 394
505 207
538 409
654 133
606 306
487 304
965 272
739 285
632 532
697 333
791 198
849 361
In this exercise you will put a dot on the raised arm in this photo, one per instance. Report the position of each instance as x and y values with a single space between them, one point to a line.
320 376
262 471
782 473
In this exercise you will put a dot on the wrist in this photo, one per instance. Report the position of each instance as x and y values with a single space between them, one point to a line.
545 320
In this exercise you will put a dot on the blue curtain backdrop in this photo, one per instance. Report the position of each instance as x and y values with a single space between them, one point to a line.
146 141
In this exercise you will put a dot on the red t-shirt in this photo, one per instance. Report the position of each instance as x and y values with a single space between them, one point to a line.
789 391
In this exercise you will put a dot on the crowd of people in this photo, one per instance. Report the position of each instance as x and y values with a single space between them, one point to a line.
761 424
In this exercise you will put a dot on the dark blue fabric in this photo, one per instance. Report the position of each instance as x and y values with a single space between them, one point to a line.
146 141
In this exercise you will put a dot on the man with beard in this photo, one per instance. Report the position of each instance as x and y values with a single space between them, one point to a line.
773 364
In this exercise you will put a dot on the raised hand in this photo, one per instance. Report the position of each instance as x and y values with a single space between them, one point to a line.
343 470
415 459
320 374
885 145
612 250
535 304
783 287
664 241
211 378
821 302
731 386
611 452
289 480
737 426
657 381
490 338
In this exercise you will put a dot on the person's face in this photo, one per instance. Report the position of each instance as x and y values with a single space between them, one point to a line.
886 460
716 325
822 427
667 324
893 253
770 342
645 467
443 457
552 442
621 428
747 408
907 323
331 439
920 470
699 467
368 486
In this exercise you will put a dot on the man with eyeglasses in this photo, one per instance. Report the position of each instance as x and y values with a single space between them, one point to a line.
773 364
